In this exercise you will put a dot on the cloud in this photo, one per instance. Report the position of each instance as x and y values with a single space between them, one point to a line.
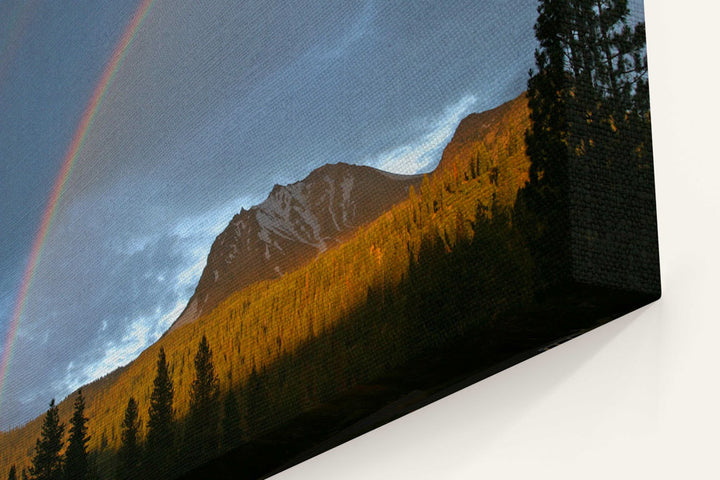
143 331
140 279
198 114
359 29
418 155
190 238
140 285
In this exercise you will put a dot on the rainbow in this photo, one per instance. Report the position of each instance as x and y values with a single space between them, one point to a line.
59 186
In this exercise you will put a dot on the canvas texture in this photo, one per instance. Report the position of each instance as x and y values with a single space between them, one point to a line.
250 233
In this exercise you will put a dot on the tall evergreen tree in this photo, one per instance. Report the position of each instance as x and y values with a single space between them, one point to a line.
202 436
12 475
130 454
588 101
93 471
542 206
256 403
231 433
161 421
76 456
47 461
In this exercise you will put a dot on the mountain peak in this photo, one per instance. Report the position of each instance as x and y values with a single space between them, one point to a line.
294 224
475 127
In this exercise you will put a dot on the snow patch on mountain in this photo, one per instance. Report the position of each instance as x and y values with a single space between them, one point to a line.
292 226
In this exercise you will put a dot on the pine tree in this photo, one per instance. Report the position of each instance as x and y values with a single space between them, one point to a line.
231 433
591 79
76 456
256 402
93 471
47 461
12 475
542 205
130 453
202 433
161 421
588 101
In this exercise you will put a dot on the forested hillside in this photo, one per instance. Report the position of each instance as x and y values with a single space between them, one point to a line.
281 347
291 227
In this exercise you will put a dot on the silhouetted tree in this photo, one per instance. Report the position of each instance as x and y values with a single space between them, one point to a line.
12 475
47 461
589 111
427 298
130 454
93 471
202 433
76 456
542 206
161 421
256 402
231 433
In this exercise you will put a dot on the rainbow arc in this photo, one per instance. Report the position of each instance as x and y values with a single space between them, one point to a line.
58 189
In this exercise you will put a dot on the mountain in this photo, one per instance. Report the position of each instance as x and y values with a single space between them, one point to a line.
292 226
299 221
351 304
483 143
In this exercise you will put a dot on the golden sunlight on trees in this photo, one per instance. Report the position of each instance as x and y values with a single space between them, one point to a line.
279 348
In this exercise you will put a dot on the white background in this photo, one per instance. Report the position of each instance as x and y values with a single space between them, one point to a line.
638 398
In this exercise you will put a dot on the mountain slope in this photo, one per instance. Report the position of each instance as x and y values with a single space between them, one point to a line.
337 321
291 227
482 145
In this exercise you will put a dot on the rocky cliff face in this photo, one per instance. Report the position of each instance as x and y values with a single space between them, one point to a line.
292 226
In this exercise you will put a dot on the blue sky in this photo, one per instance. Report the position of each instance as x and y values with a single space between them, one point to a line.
213 104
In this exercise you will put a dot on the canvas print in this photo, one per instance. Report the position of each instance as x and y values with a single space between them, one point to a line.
237 234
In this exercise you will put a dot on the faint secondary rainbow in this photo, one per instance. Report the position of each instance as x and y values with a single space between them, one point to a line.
59 186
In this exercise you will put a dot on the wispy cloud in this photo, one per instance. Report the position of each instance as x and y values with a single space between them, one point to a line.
191 239
420 153
206 114
359 29
142 332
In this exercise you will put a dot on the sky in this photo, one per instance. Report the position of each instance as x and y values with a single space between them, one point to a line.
211 104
